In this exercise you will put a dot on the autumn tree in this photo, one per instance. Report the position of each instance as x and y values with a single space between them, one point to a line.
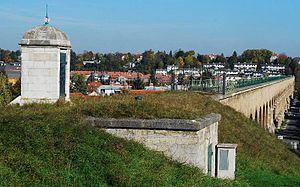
16 89
5 93
189 60
180 61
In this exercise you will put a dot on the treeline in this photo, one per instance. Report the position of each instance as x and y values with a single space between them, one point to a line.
185 59
10 56
148 61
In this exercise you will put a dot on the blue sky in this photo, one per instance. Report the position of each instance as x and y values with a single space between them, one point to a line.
206 26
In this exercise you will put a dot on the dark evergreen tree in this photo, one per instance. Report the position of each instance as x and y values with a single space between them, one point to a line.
138 84
78 84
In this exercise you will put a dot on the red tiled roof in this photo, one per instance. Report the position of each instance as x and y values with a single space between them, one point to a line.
81 72
128 75
144 91
95 84
77 94
115 75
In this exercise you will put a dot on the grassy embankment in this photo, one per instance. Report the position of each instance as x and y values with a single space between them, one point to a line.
50 145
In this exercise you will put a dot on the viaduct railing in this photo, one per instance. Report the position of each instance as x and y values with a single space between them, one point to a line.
222 86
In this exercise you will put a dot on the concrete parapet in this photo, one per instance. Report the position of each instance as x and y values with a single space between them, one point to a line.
159 124
186 141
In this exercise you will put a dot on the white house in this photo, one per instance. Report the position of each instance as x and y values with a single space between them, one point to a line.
172 68
274 57
111 89
161 71
246 66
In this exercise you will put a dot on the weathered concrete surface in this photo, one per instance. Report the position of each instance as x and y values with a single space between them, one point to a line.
186 141
45 35
159 124
266 103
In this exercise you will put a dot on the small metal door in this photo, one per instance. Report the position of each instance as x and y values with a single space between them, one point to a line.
209 161
62 75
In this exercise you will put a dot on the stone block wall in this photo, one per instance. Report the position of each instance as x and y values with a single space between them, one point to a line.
40 72
185 141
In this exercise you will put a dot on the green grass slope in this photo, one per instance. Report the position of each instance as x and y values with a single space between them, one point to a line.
51 145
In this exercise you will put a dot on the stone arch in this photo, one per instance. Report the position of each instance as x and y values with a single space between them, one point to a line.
256 116
260 116
267 115
263 116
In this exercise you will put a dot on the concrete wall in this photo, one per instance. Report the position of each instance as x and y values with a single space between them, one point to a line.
40 74
185 141
266 103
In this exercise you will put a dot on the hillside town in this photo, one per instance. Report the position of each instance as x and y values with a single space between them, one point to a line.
88 80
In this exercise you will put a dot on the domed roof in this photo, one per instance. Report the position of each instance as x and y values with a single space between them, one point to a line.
45 35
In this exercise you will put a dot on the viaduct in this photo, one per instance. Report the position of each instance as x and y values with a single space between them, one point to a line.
265 103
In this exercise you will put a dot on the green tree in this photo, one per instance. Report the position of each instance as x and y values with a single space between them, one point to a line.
5 93
148 62
257 55
138 83
221 58
74 61
232 60
153 78
179 53
78 84
181 80
173 80
203 58
206 75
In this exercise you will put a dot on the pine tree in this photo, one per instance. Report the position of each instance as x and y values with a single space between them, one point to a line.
78 84
138 83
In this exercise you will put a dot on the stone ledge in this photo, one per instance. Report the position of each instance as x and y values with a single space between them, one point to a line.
155 124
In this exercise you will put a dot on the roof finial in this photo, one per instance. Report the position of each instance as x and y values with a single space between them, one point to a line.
47 19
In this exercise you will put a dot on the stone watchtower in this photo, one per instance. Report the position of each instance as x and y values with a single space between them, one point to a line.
45 74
